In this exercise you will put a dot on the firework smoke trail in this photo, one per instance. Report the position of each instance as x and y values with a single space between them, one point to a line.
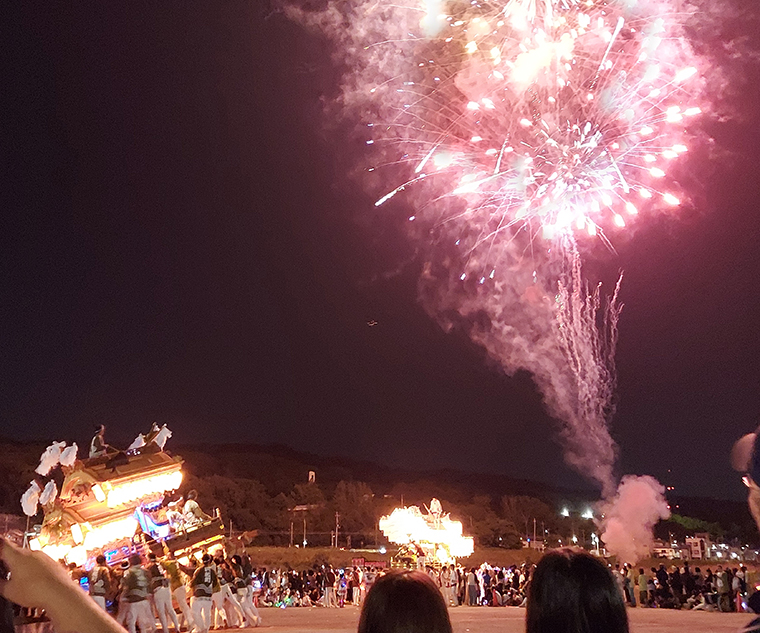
590 354
517 131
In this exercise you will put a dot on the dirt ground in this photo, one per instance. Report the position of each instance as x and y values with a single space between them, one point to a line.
506 620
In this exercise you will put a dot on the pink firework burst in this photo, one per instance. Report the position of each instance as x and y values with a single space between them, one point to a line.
561 117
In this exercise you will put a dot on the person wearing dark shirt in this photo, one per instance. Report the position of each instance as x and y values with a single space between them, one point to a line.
135 588
203 583
161 594
330 588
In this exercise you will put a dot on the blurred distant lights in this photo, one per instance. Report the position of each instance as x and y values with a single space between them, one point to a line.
586 514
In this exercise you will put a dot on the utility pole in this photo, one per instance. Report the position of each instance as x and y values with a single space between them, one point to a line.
534 530
337 526
291 532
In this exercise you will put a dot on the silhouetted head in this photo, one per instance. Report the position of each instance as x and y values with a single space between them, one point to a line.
404 602
573 592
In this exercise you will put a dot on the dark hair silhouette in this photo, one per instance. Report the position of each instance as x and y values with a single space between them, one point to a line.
404 602
573 592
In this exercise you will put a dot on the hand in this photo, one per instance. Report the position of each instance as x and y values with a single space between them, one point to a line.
31 576
37 581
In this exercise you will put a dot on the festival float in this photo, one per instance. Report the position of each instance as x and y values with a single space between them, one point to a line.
116 502
431 538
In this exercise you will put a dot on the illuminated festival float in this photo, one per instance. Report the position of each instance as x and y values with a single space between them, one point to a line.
116 502
432 538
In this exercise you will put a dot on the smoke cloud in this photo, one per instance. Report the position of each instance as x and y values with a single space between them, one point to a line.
630 516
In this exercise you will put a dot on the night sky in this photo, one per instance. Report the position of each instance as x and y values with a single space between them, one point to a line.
181 243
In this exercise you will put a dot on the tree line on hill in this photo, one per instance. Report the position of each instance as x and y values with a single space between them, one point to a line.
265 492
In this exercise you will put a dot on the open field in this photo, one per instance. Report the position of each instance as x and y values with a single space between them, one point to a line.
503 620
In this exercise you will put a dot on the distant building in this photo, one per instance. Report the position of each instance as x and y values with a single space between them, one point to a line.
661 549
699 546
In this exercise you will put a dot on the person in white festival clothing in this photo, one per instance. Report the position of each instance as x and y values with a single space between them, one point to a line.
135 588
175 517
177 587
161 594
451 598
100 581
444 579
217 600
242 585
356 576
202 585
226 580
192 511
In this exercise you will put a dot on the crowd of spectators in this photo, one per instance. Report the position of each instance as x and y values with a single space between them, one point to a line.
240 588
681 587
216 591
325 586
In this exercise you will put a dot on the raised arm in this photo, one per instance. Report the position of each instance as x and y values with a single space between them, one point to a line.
37 581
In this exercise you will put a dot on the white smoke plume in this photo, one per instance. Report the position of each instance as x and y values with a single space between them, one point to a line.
630 516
